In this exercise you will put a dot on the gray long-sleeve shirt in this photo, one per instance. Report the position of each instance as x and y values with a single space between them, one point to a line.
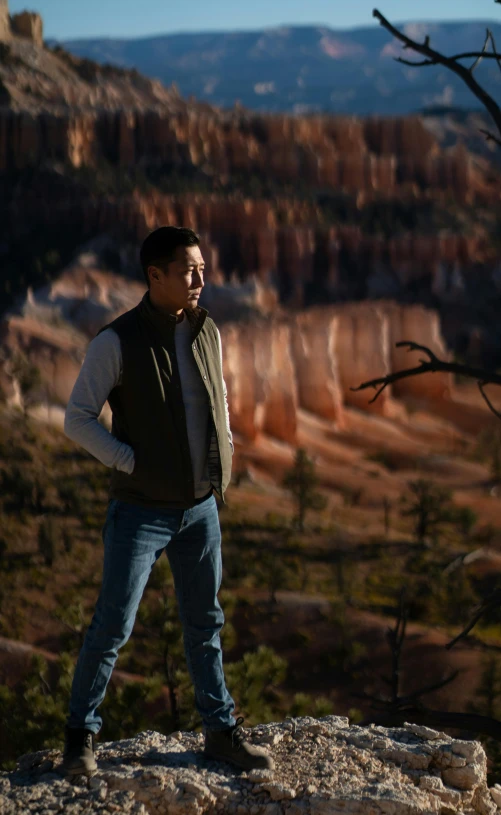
101 371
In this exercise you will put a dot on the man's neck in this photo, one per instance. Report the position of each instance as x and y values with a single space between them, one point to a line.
163 310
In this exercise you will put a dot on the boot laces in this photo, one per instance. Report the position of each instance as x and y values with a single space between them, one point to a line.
237 733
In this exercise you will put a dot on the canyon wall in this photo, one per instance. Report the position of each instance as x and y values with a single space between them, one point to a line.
316 208
282 241
273 364
364 157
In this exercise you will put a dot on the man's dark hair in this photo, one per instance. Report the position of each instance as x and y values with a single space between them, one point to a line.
159 248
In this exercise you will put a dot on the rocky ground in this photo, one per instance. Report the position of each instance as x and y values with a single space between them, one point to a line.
322 766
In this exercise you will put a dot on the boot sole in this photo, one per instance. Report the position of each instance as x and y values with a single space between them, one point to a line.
79 770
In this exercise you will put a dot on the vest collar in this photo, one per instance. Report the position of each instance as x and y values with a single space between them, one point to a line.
165 324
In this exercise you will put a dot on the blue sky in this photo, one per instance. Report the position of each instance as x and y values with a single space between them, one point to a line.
73 19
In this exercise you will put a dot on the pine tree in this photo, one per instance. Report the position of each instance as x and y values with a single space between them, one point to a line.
430 506
301 480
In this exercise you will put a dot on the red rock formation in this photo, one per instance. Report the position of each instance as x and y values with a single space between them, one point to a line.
64 111
316 353
420 325
248 237
67 110
272 366
29 25
337 153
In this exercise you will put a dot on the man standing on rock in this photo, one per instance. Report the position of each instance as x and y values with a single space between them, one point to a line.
159 365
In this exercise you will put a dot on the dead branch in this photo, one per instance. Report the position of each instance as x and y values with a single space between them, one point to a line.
433 57
399 709
494 49
472 722
395 637
482 53
433 365
489 136
404 701
491 602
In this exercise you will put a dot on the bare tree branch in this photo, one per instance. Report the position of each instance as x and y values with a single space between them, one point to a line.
399 709
490 603
465 55
472 722
498 56
489 403
433 365
489 136
482 53
436 58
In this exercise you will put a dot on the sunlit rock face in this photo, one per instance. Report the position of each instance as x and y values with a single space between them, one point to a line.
415 323
5 32
275 360
322 766
28 24
315 349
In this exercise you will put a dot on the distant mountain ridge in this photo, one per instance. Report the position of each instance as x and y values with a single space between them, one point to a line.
304 69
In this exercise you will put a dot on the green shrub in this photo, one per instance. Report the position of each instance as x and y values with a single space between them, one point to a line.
252 681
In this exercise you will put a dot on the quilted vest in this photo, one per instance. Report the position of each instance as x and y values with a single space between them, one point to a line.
148 411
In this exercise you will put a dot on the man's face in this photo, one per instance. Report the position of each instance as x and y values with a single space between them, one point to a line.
182 282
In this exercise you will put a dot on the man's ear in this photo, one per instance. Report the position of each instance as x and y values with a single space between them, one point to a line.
153 272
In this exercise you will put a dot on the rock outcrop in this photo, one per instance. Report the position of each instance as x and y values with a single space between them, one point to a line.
28 24
322 766
5 32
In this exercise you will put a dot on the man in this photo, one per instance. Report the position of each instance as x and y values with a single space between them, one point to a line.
159 365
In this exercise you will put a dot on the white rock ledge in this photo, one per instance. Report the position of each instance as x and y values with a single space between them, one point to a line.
323 766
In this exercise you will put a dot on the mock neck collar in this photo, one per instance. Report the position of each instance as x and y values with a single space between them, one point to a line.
166 323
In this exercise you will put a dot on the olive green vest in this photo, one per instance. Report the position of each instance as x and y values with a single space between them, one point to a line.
148 410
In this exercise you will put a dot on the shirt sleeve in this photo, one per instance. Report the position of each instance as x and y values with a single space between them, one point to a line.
100 373
227 412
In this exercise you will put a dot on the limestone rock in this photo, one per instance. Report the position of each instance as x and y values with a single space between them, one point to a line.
28 24
323 766
5 32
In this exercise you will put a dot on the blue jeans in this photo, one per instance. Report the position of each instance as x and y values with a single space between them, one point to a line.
134 538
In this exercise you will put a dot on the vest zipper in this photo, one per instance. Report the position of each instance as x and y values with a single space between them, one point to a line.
196 354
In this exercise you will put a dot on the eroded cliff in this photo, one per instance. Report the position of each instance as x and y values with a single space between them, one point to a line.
321 208
276 361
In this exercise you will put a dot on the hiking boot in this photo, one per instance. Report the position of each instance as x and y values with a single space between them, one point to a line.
78 754
229 745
